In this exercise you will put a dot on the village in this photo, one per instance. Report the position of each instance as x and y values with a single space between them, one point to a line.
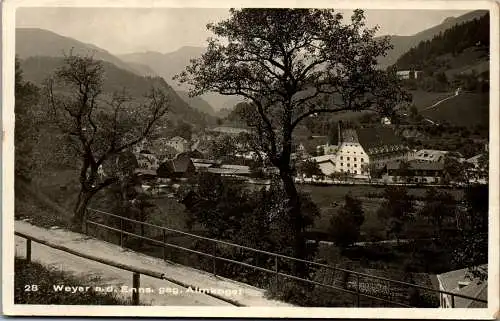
365 156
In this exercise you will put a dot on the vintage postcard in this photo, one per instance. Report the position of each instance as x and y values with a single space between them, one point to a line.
250 159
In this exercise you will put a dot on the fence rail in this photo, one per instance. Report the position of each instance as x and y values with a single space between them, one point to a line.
136 271
277 258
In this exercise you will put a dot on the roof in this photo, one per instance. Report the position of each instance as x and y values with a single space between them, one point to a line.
376 138
415 165
236 167
349 135
229 171
177 165
474 288
177 139
229 130
204 161
141 171
431 154
322 159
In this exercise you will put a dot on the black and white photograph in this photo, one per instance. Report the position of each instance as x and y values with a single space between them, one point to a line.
166 159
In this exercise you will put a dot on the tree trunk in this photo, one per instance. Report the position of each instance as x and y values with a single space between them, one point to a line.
296 222
81 206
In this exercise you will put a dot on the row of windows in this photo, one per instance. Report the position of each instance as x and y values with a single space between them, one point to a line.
355 159
354 171
348 164
352 152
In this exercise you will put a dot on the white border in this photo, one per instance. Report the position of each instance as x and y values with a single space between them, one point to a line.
8 54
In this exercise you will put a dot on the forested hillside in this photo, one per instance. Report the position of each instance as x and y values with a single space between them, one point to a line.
38 69
428 55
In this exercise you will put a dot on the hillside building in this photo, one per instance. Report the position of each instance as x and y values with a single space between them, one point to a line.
409 74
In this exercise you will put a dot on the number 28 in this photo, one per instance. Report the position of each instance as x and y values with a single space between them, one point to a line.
31 288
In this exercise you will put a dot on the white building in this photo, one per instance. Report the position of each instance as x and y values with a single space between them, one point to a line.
351 157
409 74
357 149
180 144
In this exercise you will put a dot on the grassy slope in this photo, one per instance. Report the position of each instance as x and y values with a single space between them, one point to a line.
467 109
35 273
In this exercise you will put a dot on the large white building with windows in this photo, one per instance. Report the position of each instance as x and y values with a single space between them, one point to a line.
357 149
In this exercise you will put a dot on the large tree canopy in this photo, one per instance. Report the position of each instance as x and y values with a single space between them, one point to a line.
290 64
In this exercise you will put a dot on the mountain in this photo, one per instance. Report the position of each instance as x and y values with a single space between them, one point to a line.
197 102
167 65
404 43
31 42
37 69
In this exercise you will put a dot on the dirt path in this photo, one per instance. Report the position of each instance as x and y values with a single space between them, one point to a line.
174 294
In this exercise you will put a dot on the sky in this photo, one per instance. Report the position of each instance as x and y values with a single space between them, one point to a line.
126 30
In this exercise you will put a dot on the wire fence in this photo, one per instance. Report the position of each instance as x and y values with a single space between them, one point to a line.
273 268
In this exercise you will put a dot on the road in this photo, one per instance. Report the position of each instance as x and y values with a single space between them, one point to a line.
457 92
105 275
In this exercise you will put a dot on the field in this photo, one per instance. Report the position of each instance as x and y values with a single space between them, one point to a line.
329 198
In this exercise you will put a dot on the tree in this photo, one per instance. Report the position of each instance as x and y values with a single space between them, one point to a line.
98 129
472 245
396 210
309 168
454 170
291 64
345 224
184 130
223 148
26 98
438 206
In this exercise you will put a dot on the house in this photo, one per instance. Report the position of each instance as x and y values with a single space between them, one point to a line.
180 167
180 144
458 282
409 74
413 172
326 164
381 145
358 148
351 157
429 155
146 160
478 171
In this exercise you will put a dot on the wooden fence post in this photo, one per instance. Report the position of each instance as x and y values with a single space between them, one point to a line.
164 246
28 250
121 232
136 284
214 250
357 289
276 275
